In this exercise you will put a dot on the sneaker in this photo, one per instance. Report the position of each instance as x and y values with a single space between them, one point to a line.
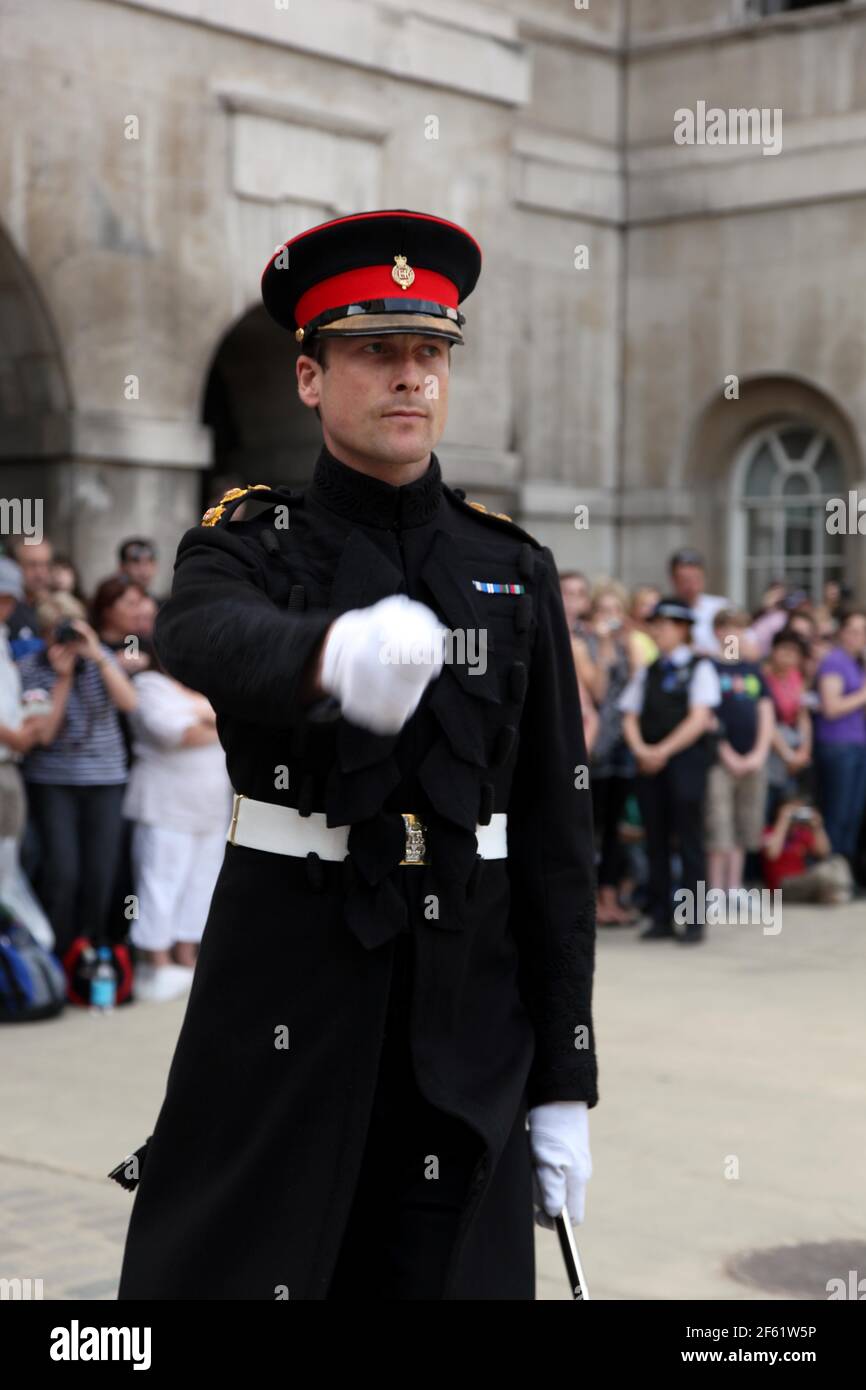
153 984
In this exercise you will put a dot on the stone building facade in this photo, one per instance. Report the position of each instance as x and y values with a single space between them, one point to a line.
669 333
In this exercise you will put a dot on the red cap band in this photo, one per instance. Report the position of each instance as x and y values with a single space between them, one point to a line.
373 282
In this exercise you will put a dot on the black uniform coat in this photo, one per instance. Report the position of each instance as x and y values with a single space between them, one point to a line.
248 1177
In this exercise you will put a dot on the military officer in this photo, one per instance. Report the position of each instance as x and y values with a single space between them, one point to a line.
387 1056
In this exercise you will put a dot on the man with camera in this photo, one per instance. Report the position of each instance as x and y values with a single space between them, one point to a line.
798 857
76 774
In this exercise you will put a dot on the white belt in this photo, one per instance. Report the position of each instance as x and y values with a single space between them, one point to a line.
283 830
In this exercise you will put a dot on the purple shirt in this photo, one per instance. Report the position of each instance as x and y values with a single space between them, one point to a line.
849 728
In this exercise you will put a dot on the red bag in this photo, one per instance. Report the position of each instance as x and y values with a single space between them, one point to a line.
79 963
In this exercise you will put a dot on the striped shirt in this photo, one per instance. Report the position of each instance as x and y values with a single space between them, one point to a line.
89 748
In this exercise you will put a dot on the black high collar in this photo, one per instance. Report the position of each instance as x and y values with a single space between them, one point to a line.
371 501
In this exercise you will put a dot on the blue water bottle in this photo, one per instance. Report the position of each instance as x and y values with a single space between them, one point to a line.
103 984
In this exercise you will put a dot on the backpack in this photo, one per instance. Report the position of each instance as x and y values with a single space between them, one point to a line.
32 981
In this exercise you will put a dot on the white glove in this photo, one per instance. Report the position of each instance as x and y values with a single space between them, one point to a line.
562 1165
378 661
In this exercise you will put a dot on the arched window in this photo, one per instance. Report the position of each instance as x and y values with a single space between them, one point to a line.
787 475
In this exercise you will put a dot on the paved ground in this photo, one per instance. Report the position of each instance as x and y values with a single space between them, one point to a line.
748 1048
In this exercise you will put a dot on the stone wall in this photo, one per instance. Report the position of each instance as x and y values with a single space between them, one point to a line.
625 276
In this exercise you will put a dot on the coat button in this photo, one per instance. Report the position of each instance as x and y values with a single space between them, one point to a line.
517 680
504 744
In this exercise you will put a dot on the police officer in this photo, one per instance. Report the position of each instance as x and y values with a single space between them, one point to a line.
667 722
387 1056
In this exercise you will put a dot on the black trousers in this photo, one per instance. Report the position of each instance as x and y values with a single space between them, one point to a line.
403 1221
672 804
609 795
80 831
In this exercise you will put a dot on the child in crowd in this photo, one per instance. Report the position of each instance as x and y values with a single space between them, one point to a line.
791 747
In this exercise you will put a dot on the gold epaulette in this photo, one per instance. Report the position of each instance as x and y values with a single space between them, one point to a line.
213 514
462 500
480 507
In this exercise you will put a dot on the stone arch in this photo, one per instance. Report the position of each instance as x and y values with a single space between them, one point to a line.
260 431
35 393
721 427
713 457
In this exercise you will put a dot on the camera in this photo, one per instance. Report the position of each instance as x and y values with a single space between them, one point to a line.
65 632
802 813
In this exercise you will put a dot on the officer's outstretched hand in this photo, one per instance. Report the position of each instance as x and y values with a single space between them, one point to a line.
377 661
562 1165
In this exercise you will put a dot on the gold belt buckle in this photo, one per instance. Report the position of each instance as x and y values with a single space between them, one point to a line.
236 806
416 845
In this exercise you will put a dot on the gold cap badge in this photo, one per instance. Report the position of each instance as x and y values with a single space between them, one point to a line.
402 272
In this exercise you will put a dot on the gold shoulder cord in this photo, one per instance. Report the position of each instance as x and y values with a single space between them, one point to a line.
213 514
480 507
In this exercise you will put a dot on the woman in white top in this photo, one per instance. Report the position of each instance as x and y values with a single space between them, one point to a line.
179 800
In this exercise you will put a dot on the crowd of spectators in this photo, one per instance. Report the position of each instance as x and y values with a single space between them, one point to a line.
725 746
112 778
